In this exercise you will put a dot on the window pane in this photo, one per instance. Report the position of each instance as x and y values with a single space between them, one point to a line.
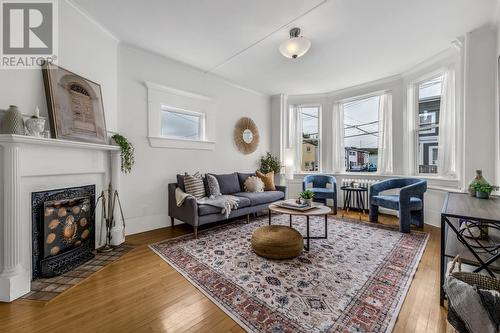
310 138
180 125
428 124
430 89
361 134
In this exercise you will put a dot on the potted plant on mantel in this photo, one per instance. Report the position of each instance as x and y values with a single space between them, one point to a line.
483 190
127 152
307 197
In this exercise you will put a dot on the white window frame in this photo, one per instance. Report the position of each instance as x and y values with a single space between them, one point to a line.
320 136
415 85
378 93
200 115
161 98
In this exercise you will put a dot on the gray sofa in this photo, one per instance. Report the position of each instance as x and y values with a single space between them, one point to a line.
192 213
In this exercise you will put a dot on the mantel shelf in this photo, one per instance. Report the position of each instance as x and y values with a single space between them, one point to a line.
30 140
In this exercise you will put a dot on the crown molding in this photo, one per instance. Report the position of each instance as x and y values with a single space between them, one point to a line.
92 20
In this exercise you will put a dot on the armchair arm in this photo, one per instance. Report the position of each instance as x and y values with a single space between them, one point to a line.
413 190
187 213
283 189
384 185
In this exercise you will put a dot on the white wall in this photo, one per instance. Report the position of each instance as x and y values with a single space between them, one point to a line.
480 103
144 191
84 49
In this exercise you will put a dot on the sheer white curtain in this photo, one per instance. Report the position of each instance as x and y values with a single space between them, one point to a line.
338 163
447 123
385 162
295 135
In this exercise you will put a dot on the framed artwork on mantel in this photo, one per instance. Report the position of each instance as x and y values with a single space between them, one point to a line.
75 106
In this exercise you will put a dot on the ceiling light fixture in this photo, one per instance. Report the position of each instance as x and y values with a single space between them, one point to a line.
296 46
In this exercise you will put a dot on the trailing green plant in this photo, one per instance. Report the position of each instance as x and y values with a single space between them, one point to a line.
127 152
307 194
270 163
484 187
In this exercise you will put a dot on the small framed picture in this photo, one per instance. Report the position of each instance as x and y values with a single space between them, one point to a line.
75 106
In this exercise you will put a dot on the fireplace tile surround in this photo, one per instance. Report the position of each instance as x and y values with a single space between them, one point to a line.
29 165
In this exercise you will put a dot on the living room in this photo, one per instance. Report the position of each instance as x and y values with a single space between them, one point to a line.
293 166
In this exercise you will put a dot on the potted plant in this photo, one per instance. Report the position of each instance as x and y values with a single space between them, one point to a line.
307 197
483 190
270 163
127 152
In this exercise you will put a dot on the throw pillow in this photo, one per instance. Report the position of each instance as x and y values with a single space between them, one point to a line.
268 180
254 184
193 185
213 186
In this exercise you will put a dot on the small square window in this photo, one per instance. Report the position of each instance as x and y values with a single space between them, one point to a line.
180 124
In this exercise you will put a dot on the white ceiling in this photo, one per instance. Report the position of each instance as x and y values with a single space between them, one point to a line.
353 41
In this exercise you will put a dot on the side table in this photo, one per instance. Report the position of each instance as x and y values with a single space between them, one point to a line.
358 197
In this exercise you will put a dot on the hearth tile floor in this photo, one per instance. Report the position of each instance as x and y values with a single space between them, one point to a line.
45 289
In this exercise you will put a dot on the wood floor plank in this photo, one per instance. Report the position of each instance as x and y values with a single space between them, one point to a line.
141 293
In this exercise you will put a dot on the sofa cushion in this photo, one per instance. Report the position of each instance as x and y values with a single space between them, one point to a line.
242 177
259 198
253 184
392 202
180 182
207 209
268 180
228 183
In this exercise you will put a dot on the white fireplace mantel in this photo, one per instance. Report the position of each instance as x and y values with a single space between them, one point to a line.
29 164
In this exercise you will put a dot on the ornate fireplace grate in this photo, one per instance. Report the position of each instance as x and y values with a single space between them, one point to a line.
63 229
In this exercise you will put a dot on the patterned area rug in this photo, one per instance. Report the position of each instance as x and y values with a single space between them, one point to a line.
354 281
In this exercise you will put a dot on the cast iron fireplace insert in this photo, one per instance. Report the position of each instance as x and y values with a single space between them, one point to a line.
63 226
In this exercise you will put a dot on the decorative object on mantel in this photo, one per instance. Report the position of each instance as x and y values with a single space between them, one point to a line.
108 199
127 152
35 125
246 135
75 106
479 179
12 122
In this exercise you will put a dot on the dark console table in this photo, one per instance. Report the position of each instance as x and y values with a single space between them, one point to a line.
470 227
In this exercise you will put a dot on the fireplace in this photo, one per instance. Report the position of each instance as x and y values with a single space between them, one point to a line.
63 229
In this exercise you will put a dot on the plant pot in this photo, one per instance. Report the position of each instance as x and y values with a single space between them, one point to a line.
479 179
306 201
482 195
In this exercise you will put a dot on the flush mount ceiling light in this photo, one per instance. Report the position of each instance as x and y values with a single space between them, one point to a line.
296 46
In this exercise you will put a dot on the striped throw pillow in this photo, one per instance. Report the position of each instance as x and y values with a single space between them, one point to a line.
193 184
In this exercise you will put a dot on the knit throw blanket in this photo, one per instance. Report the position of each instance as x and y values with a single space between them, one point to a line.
225 202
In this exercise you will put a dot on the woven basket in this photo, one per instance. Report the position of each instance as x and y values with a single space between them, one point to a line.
475 279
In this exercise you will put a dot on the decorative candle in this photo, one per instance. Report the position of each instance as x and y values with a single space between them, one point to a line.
37 112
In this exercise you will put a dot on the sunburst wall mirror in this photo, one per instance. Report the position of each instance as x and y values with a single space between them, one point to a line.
246 135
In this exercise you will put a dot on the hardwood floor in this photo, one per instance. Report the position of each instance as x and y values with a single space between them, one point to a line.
142 293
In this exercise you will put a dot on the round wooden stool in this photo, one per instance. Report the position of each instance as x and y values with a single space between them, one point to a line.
277 242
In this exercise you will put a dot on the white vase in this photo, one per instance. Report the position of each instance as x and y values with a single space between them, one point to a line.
35 127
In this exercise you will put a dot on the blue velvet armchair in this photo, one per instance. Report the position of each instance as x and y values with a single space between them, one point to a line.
321 191
409 202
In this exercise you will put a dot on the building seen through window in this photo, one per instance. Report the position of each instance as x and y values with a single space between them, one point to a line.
361 127
310 138
429 102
